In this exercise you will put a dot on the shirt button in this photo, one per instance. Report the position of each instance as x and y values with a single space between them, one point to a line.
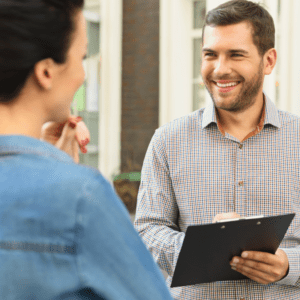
241 146
241 183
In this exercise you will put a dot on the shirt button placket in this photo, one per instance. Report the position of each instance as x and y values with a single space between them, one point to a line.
241 183
240 177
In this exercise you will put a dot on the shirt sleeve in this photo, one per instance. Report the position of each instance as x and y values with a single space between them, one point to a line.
292 277
111 257
157 211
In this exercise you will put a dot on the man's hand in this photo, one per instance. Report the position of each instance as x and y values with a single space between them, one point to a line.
67 137
230 215
262 267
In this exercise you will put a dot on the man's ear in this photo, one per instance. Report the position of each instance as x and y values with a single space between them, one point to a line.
43 73
270 59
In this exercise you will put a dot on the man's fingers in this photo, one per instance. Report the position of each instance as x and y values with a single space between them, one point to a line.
264 257
252 265
257 276
230 215
282 258
265 266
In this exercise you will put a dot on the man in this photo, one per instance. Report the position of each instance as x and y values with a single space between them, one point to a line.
238 156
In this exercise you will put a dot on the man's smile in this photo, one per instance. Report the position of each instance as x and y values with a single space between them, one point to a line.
225 86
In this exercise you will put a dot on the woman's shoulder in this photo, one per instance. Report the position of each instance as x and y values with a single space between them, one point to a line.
78 174
59 178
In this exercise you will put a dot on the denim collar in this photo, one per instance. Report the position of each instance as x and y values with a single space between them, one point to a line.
22 144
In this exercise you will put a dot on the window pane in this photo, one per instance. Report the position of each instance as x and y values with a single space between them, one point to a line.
199 13
80 98
197 58
93 37
87 97
92 90
198 96
279 8
91 119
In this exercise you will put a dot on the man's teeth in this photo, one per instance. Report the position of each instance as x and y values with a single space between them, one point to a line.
226 84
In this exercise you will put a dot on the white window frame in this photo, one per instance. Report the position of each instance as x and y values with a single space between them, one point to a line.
111 14
289 98
295 73
175 57
197 33
289 64
270 80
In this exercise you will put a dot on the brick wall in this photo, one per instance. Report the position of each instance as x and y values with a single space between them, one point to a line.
140 80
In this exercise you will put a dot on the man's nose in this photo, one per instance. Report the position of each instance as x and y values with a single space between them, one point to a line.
222 67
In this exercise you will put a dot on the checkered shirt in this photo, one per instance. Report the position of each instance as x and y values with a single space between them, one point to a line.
193 170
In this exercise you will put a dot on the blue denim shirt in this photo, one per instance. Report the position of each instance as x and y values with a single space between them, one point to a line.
64 232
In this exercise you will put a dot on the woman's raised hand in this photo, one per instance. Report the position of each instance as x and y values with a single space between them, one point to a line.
69 136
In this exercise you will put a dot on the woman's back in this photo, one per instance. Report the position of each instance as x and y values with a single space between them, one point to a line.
63 229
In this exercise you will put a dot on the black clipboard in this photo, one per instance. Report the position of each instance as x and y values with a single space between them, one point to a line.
208 249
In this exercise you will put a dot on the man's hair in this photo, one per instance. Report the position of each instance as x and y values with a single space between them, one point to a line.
236 11
30 31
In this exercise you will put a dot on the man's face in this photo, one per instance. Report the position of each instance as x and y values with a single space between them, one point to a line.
232 69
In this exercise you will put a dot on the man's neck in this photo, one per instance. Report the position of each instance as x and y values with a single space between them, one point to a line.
240 124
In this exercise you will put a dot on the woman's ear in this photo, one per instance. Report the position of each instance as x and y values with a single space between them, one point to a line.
43 72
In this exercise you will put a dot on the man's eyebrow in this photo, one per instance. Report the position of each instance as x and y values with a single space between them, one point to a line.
238 51
207 50
229 51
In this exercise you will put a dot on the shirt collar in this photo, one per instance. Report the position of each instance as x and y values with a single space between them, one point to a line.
21 144
271 115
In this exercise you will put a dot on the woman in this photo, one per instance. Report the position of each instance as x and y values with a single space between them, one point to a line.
64 233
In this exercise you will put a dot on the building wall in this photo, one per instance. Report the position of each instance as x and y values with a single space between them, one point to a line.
140 80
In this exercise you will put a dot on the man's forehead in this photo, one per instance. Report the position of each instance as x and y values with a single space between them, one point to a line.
240 34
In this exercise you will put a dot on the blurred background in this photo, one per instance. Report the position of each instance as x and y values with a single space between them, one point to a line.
143 71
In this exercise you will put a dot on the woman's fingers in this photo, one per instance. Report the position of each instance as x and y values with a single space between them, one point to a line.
82 136
75 149
69 136
67 141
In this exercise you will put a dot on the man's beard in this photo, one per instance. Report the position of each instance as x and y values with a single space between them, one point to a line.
247 96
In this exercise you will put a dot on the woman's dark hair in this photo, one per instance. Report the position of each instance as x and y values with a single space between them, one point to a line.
236 11
30 31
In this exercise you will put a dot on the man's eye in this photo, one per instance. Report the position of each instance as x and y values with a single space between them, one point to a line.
209 54
237 55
